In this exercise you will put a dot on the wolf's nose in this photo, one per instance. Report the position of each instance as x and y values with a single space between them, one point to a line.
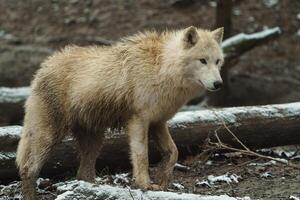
218 84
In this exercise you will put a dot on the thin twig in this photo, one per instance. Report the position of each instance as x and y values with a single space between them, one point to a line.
246 150
220 144
237 139
130 193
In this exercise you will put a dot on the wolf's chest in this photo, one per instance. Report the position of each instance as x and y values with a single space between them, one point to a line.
163 106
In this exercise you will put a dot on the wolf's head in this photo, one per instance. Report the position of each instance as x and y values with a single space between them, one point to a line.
200 56
203 57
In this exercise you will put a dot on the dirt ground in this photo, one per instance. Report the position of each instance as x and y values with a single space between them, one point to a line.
283 182
256 178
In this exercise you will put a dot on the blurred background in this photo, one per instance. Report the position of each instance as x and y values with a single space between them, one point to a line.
266 73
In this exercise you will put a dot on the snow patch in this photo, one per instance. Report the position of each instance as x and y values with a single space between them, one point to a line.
211 180
7 156
12 188
272 162
182 119
178 186
15 95
81 190
294 198
209 162
181 167
266 175
282 151
223 178
10 131
270 3
202 183
121 178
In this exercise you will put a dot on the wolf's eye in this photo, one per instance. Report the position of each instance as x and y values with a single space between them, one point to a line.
203 61
218 61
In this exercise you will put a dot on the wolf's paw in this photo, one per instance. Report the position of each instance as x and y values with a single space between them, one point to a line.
155 187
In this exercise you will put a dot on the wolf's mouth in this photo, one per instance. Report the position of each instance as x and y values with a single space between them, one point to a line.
209 89
212 90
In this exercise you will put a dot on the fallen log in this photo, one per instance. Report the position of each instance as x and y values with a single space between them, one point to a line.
237 45
19 62
256 127
11 104
11 111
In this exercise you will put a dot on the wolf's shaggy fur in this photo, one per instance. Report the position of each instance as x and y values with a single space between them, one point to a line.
138 83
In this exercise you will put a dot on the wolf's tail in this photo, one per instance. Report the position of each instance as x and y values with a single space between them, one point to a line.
23 151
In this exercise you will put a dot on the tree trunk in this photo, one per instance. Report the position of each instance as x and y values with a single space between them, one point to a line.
223 16
256 127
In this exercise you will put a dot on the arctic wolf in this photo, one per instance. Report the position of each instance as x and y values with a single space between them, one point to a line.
137 84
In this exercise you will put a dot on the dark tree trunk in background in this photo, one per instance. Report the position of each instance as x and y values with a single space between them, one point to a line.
223 16
223 19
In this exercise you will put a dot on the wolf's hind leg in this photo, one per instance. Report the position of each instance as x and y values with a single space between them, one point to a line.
89 147
169 153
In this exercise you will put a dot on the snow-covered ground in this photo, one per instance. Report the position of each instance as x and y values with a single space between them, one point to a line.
70 190
212 180
82 190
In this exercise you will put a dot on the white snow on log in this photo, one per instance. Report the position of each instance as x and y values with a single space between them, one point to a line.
7 156
181 119
10 131
232 41
14 95
229 115
82 190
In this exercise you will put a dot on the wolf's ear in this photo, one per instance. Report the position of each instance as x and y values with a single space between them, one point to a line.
218 34
190 37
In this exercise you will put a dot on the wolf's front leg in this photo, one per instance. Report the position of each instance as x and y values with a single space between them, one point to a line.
137 130
169 153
